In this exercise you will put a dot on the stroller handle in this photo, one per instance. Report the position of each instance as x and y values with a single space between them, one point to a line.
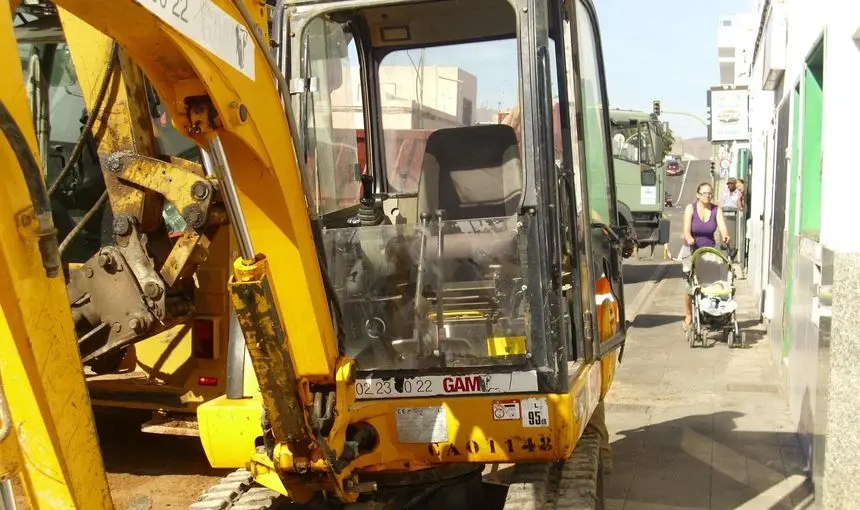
731 251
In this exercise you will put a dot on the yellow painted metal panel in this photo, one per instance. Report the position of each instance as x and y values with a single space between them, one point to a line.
228 429
61 464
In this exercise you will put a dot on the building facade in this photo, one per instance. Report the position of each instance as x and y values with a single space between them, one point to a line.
733 35
804 252
437 97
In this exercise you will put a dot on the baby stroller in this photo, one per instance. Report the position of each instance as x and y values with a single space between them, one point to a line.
710 277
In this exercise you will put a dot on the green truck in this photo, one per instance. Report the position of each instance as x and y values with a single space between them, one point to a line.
637 149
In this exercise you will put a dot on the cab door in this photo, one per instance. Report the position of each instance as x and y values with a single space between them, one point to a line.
605 311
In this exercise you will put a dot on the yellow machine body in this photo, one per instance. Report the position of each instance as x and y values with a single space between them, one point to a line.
222 88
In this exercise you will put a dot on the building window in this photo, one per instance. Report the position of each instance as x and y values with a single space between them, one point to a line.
780 187
467 112
726 53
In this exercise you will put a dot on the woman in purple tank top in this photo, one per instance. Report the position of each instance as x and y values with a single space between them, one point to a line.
702 218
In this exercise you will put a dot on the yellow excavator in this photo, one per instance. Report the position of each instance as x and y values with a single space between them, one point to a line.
406 327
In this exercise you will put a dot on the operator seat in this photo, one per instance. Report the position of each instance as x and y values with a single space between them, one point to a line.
475 175
471 172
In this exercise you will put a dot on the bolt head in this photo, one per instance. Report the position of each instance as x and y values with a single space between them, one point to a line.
117 327
152 290
121 225
194 217
105 259
115 163
89 272
134 324
200 190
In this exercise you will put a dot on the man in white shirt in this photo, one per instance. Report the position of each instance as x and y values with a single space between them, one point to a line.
732 198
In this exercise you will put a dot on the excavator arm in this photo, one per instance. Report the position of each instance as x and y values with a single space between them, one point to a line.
221 90
138 282
47 434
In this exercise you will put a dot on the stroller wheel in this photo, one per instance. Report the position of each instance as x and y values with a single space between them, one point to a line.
691 335
730 338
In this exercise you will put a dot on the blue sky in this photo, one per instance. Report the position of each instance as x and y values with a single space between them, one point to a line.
663 49
653 49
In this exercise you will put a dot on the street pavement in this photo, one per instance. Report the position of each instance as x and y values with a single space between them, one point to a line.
696 428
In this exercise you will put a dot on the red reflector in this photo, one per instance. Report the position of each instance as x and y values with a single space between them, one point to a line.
207 381
203 345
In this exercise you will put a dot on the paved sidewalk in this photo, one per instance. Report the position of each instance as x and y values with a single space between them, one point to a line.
699 427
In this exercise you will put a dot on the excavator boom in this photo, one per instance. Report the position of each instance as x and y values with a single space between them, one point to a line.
236 107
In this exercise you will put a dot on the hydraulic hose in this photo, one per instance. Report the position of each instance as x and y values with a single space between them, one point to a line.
48 245
83 223
91 119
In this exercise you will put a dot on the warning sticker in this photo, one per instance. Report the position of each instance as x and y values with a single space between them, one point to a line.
422 424
506 410
210 27
535 412
431 385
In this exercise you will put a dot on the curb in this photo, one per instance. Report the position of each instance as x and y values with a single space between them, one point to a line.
648 289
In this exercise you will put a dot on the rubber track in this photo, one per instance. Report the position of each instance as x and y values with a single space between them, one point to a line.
556 486
535 486
236 491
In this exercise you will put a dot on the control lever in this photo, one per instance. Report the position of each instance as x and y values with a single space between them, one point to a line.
369 212
440 282
418 302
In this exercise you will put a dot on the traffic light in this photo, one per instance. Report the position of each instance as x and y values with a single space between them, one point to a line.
713 166
656 106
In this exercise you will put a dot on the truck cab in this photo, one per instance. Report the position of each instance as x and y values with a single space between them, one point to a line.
637 150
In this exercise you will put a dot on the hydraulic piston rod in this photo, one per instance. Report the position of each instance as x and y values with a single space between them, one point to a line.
231 199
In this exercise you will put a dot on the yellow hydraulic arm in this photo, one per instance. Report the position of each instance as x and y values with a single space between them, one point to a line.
47 434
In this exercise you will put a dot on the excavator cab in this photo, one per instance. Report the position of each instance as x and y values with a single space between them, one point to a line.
465 254
474 257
